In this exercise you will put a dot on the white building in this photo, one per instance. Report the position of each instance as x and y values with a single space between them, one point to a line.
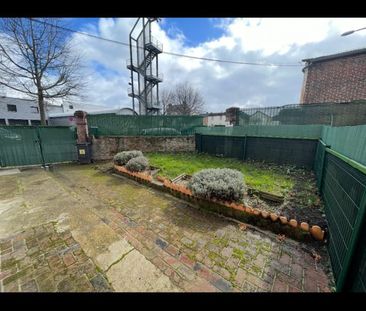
68 119
19 111
216 119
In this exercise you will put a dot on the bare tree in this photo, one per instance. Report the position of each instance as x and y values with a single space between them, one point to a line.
36 59
184 99
167 99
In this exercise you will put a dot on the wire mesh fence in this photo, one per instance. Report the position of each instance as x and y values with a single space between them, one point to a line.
343 192
333 114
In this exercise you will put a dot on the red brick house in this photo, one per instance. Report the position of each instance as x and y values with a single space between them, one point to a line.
335 78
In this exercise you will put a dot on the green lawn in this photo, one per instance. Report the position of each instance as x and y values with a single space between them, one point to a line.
269 179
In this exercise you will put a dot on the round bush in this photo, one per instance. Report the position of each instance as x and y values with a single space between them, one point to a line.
123 157
220 183
137 164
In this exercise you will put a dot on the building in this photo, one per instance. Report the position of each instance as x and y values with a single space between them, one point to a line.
216 119
68 119
260 117
335 78
19 111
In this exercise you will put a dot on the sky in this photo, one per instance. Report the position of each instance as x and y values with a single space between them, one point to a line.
261 40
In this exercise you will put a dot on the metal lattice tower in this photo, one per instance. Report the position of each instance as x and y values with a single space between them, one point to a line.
143 65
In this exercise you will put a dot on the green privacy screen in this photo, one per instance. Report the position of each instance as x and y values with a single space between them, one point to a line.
28 145
282 131
299 152
344 193
19 146
359 274
120 125
347 140
58 144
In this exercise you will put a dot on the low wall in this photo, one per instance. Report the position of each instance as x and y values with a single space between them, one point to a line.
105 147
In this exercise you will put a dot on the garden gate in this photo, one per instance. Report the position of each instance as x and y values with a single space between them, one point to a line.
28 145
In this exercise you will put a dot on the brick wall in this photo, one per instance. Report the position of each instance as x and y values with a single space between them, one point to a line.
336 80
105 147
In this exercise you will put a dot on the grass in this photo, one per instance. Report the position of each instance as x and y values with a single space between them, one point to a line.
264 179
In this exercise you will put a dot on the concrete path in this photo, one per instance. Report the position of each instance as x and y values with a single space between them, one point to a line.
77 229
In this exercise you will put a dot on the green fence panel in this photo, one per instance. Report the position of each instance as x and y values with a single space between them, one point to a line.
58 144
359 273
120 125
343 193
19 146
29 145
347 140
280 131
299 152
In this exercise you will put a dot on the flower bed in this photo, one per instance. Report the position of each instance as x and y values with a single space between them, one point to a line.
261 218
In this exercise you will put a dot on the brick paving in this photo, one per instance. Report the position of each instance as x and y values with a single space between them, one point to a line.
198 251
40 259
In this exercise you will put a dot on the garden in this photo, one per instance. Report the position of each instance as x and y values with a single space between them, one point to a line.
281 198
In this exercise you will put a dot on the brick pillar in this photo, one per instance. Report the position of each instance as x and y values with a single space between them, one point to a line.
81 126
232 115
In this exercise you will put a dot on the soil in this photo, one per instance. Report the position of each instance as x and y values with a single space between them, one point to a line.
302 203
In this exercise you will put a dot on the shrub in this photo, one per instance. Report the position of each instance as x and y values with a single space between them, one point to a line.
137 164
221 183
160 131
123 157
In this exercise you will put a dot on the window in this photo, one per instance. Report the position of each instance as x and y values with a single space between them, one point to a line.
12 108
35 122
17 122
34 109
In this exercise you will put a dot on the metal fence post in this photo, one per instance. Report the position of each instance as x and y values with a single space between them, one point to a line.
40 146
245 148
323 166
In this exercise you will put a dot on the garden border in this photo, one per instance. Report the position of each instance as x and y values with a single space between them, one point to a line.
261 218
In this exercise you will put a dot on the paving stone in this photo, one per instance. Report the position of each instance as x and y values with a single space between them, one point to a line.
161 243
279 286
30 286
223 285
66 285
186 273
227 252
241 276
68 259
100 284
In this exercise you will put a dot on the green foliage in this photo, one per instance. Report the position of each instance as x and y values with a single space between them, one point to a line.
161 132
123 157
220 183
273 180
137 164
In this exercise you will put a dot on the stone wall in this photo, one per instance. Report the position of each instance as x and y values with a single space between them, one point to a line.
105 147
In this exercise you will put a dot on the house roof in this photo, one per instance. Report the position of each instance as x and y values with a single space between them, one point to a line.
212 114
335 56
259 112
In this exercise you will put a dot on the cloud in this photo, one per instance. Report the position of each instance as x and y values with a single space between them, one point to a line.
270 40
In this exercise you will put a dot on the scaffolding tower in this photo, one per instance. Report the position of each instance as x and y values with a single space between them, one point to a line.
143 65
